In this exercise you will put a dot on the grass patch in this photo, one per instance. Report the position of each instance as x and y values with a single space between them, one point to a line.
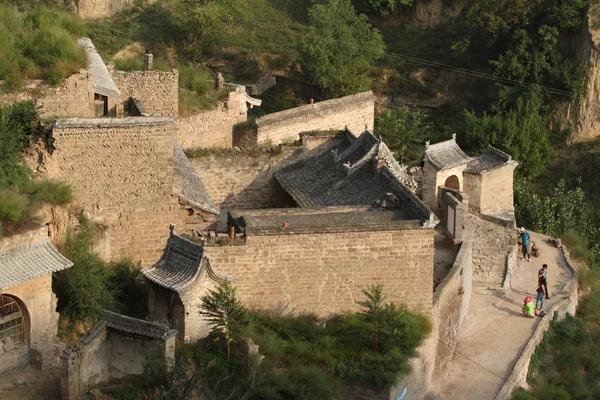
39 43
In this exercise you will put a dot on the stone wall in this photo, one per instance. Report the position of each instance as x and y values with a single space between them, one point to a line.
157 90
121 171
245 179
491 192
451 301
213 128
73 97
92 9
324 273
355 112
492 242
104 354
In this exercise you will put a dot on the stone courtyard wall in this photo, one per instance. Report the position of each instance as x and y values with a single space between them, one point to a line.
491 192
213 128
157 90
355 112
73 97
121 172
324 273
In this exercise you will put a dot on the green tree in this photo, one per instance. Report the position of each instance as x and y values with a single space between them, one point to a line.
205 21
83 290
225 313
404 131
381 7
520 131
341 48
374 306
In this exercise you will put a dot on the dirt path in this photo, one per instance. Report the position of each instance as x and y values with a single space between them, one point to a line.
30 383
495 332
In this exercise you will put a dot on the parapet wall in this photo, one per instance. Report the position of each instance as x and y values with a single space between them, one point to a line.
157 90
213 128
324 273
354 112
73 97
451 300
121 171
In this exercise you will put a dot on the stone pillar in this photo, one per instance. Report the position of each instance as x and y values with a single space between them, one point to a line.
148 58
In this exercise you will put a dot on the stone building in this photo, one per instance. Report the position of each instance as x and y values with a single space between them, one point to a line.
115 347
487 179
354 220
177 281
28 317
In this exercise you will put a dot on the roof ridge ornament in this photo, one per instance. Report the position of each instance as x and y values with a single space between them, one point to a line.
427 143
172 229
454 137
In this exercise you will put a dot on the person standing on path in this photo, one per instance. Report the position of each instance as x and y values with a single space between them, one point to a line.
543 279
539 300
525 244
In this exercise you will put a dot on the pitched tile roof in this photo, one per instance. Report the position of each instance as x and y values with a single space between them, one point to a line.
351 172
487 161
193 190
136 326
444 155
30 261
103 82
179 266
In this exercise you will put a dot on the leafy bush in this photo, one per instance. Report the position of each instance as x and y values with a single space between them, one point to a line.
39 43
83 290
520 131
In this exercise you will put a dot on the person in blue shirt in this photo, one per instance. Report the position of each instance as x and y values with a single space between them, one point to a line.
525 244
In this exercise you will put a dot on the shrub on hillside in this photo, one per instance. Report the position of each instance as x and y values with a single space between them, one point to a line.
39 43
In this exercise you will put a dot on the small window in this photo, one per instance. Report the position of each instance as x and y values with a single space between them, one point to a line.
11 320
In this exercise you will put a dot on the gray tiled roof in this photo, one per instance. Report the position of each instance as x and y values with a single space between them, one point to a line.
103 82
30 261
350 172
446 154
179 266
136 326
193 190
487 161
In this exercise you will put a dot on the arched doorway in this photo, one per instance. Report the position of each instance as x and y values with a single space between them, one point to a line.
13 320
452 182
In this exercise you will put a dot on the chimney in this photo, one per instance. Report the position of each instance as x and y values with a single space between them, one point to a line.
219 81
148 60
312 101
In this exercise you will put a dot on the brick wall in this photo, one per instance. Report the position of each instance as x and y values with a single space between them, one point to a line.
353 111
324 272
121 171
213 128
245 179
73 97
158 90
